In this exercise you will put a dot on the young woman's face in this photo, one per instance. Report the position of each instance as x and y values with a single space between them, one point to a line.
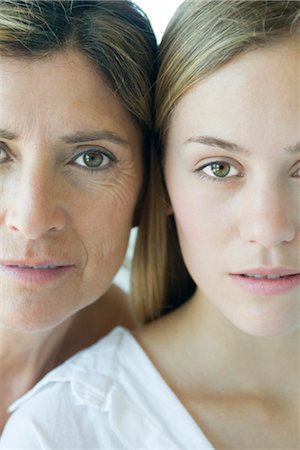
233 175
70 174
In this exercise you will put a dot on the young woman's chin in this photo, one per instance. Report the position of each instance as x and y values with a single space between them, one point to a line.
269 325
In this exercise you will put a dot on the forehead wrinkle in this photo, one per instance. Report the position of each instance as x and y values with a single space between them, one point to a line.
32 136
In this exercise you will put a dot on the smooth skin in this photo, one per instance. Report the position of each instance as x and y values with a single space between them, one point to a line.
70 176
232 357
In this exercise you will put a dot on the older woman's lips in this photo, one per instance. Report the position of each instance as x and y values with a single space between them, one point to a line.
33 273
267 282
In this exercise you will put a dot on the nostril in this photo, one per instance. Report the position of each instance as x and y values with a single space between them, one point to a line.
33 226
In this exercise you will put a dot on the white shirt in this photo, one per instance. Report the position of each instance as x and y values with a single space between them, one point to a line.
109 396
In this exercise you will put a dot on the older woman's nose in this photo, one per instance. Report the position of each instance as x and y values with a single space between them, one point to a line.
35 208
269 217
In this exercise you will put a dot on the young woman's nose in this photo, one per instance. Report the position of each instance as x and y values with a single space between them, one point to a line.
34 208
269 217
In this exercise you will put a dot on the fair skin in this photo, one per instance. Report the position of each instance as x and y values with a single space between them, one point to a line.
70 175
235 346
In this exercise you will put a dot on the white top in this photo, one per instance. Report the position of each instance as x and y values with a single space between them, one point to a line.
109 396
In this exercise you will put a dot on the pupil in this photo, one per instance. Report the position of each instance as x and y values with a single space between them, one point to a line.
93 159
221 169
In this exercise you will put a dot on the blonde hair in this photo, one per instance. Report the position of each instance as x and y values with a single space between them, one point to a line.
115 35
201 37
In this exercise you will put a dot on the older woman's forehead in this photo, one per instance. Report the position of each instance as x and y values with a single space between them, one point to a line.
62 94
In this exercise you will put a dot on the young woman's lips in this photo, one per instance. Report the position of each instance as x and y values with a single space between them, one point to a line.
35 274
273 282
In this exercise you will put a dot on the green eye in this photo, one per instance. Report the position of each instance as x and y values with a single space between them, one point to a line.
93 159
220 168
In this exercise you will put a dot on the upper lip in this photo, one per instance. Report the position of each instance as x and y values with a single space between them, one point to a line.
268 271
36 263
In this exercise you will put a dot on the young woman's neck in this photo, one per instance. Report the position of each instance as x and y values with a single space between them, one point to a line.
213 353
234 385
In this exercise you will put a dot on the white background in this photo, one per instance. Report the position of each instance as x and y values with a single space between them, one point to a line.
159 13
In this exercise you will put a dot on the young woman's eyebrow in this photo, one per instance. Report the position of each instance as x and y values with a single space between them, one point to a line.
231 147
219 143
90 136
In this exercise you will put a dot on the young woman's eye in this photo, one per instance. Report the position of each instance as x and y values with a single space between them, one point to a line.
94 159
219 169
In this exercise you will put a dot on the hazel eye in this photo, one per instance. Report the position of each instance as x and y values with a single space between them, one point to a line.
219 169
93 159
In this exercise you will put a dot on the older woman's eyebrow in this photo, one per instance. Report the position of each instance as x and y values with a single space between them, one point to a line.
5 134
90 136
219 143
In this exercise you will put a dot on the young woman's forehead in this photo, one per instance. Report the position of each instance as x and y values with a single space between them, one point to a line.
238 100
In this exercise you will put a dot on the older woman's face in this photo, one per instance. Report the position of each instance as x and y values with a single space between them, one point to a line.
233 173
70 174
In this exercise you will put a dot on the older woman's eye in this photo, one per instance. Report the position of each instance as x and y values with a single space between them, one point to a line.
219 169
3 155
94 159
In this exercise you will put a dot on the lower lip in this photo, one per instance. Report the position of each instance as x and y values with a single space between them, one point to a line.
34 277
267 286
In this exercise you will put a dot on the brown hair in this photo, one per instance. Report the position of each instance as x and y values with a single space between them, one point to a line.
115 35
201 37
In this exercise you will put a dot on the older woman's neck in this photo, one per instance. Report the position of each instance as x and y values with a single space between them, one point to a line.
24 359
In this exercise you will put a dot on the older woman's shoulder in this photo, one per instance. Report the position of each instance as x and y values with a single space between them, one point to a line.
64 405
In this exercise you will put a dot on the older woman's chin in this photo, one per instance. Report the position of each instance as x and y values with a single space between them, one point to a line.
79 328
29 310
